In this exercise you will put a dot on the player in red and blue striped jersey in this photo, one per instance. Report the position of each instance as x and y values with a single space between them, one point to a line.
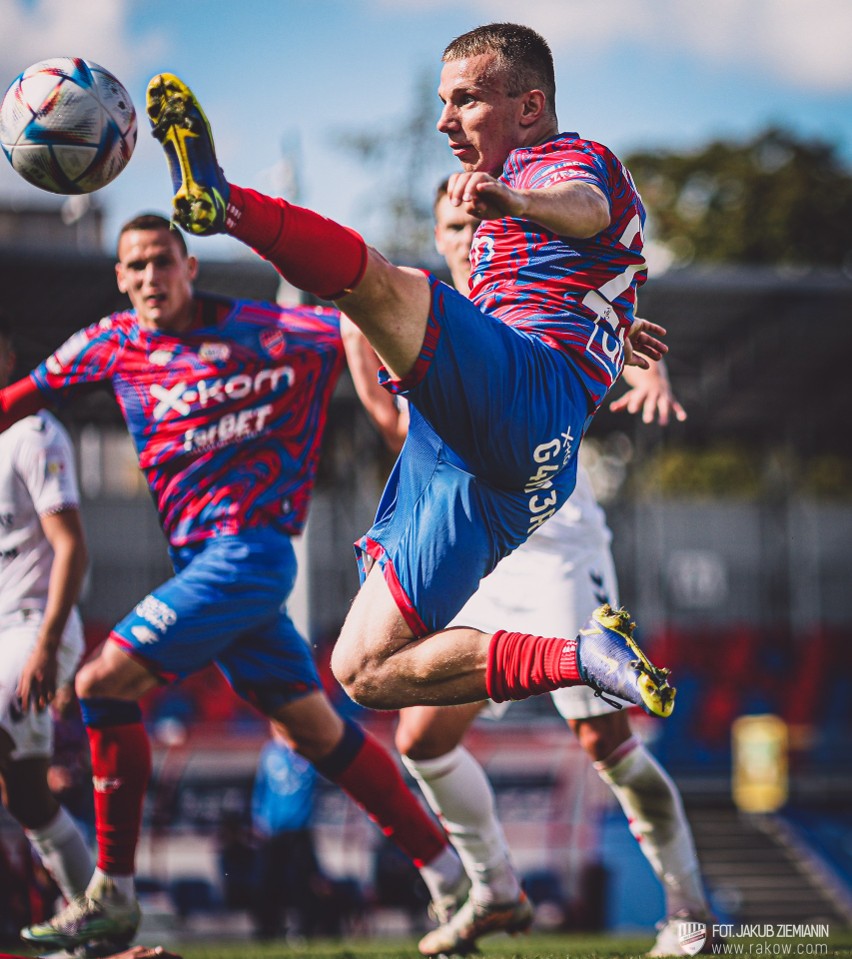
578 295
226 402
497 411
227 416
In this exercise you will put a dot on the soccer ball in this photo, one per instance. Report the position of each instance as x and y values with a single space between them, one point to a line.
67 125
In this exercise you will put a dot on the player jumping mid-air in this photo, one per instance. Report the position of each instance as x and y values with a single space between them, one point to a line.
501 386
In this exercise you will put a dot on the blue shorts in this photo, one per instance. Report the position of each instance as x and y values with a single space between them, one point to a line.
226 605
491 453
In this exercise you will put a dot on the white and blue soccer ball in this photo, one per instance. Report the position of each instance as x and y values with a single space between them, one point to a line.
67 125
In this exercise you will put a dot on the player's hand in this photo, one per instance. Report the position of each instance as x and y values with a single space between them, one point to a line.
650 394
643 344
482 196
37 685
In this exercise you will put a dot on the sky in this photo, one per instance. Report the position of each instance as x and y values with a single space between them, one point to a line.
283 80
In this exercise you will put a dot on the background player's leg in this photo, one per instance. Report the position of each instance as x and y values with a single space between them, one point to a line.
50 830
26 746
459 793
108 688
348 756
654 809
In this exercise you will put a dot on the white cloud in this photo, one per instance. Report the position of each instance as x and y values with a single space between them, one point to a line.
802 43
56 28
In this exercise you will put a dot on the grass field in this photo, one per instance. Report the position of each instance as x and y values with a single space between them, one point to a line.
500 947
539 946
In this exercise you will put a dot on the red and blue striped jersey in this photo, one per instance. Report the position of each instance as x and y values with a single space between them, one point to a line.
227 419
577 295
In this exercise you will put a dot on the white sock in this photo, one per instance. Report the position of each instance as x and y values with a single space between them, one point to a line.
654 809
458 792
443 874
64 852
107 885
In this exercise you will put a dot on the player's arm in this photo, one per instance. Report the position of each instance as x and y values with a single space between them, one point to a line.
19 400
364 365
650 393
64 531
572 208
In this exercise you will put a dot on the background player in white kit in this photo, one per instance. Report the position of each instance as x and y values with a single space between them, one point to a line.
42 563
548 585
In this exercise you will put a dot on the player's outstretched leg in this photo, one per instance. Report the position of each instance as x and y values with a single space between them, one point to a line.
179 123
611 662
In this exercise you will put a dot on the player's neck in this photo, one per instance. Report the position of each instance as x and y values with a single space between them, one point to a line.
190 318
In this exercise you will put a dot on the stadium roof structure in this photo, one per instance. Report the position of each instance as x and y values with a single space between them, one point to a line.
758 356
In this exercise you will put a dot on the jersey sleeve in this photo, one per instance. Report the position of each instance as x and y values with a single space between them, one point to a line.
19 400
45 463
86 358
567 166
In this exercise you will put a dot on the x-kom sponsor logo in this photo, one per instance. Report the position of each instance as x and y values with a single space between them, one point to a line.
183 398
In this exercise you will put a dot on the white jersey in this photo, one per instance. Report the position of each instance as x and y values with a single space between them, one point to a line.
550 585
37 478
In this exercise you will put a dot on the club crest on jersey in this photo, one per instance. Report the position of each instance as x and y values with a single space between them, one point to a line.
273 343
214 352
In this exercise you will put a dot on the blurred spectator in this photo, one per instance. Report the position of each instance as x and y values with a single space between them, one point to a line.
289 881
237 860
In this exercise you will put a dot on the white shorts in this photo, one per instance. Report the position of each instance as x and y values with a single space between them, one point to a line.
549 586
32 732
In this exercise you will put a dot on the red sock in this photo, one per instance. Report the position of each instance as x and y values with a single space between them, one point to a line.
373 780
311 252
521 665
121 768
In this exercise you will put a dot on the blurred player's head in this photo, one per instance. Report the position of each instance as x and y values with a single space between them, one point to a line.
7 351
156 272
454 231
499 93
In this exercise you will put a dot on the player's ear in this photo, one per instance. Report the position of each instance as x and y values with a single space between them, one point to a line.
192 266
439 245
119 278
533 107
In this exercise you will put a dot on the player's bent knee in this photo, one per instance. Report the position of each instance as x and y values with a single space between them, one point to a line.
365 679
352 670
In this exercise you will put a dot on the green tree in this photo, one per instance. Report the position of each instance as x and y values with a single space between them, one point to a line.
774 199
409 158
